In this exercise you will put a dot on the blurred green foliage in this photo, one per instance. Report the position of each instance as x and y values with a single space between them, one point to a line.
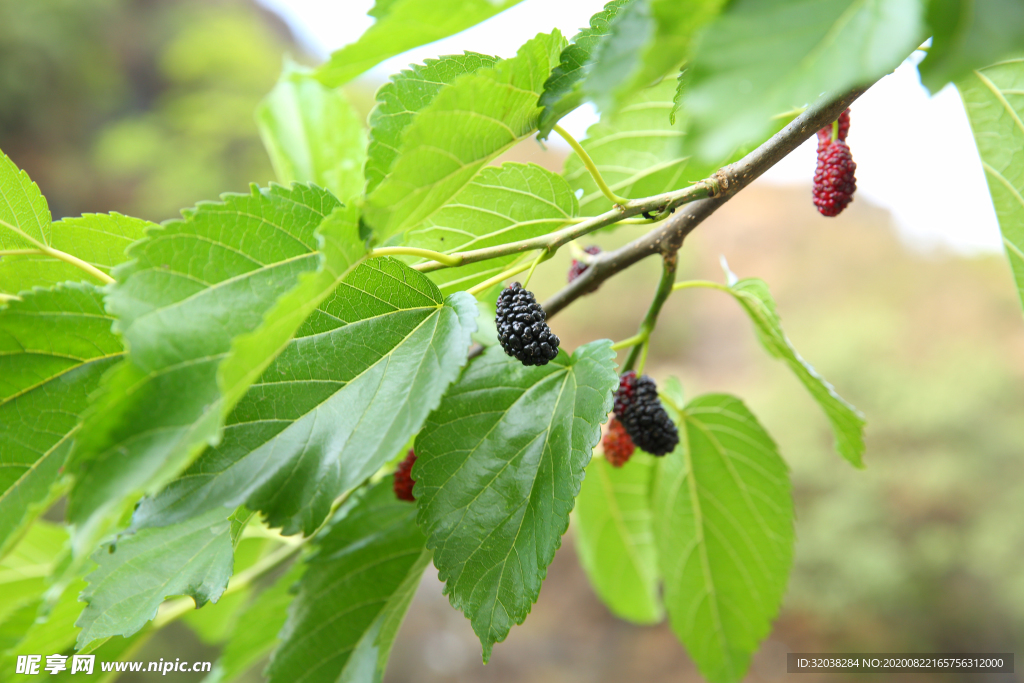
140 106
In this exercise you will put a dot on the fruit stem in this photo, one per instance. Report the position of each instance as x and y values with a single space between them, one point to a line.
668 278
542 256
706 284
445 259
626 343
504 275
591 166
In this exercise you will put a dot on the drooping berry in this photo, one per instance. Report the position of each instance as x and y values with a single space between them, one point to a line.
618 447
579 267
639 409
403 478
834 179
521 328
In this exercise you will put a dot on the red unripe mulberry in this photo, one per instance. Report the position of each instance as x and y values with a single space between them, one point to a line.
834 179
403 478
618 447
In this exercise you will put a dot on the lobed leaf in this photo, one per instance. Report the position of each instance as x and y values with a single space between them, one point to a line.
353 386
637 150
847 422
615 537
466 125
355 590
55 345
994 100
724 534
140 570
202 307
563 91
404 96
968 35
762 57
402 25
313 134
498 466
500 205
99 239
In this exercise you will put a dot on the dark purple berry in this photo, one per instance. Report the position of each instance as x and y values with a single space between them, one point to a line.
522 331
639 409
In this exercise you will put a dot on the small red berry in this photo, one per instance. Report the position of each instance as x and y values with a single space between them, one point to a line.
579 267
834 179
403 478
618 447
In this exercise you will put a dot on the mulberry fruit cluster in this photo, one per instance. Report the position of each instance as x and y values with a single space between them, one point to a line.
639 409
403 478
618 447
579 267
834 179
522 331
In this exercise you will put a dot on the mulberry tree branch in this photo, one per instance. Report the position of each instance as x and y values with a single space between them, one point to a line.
668 238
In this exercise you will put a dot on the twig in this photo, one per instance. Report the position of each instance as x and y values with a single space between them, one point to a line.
730 179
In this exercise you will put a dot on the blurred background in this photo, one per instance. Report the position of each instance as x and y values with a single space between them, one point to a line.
145 107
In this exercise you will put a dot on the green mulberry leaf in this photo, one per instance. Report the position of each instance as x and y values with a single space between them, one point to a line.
563 91
353 386
762 57
402 25
55 345
648 41
466 125
205 305
724 534
24 213
968 35
405 95
98 239
994 100
615 537
28 632
498 466
500 205
847 422
354 593
313 134
140 570
260 621
24 569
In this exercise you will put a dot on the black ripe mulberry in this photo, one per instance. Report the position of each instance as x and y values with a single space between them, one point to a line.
618 447
403 478
639 409
579 267
521 328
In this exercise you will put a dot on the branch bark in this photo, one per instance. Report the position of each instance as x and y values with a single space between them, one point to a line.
667 239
